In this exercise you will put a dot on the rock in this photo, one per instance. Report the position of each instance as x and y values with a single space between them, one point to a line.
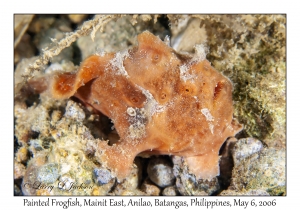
55 116
41 24
19 170
257 168
103 189
132 192
149 188
33 119
160 171
101 176
42 192
21 23
74 111
78 18
46 38
48 173
22 155
193 34
170 191
246 147
31 174
25 49
35 146
110 41
249 193
74 173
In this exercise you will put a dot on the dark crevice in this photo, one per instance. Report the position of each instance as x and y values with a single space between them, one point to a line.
164 21
226 166
76 54
32 99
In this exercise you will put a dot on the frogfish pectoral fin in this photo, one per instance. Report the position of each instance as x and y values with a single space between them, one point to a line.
204 166
118 158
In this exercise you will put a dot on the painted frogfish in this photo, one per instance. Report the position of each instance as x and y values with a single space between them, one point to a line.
160 101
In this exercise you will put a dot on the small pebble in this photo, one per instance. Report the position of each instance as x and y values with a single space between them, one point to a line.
95 191
63 152
55 116
42 192
74 111
22 155
77 18
132 192
19 170
149 188
246 147
48 173
35 145
41 24
29 177
160 172
258 192
170 191
65 182
101 176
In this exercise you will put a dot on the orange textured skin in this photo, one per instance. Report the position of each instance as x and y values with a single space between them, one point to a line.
160 102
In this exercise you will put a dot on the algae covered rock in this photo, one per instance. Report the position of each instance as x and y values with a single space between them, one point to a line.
61 164
247 193
48 173
258 169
